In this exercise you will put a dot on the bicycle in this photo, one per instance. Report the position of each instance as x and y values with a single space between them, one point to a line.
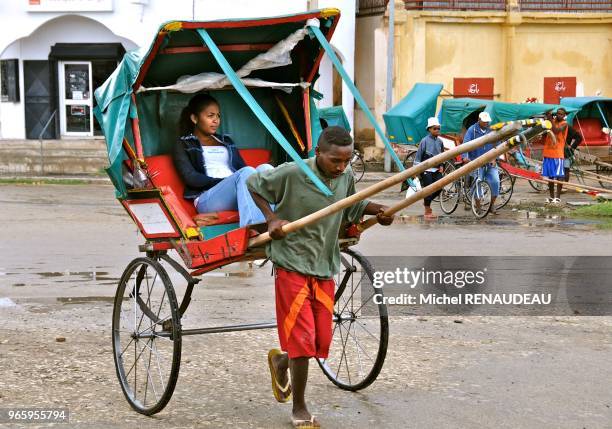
462 190
357 165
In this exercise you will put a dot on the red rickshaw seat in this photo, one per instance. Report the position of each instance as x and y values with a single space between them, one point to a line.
590 128
164 176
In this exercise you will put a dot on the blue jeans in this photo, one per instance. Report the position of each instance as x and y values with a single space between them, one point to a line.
490 175
232 194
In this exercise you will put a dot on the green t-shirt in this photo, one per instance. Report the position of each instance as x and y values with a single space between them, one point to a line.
312 250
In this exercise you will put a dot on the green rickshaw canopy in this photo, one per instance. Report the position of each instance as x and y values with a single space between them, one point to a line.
335 116
458 113
406 121
186 48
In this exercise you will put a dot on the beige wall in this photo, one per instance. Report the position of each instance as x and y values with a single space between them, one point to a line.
456 50
367 31
516 49
584 51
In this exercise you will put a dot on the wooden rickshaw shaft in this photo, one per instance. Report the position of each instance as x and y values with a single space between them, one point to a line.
494 136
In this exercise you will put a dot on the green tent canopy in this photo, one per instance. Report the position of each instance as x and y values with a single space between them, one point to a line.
335 116
456 114
590 107
406 121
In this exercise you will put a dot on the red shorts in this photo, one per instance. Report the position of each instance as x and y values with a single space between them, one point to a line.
304 312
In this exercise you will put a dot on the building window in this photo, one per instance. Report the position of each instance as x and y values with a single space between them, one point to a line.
9 80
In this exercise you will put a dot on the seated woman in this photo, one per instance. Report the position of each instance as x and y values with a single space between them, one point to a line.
210 165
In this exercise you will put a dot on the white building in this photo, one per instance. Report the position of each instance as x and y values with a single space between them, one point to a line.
54 53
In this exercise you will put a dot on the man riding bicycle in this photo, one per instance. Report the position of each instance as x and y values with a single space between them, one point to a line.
488 172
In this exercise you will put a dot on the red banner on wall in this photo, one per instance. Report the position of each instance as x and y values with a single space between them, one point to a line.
473 87
557 87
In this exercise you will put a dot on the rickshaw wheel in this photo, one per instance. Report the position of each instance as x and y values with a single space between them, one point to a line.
146 336
482 209
506 188
538 186
606 172
361 328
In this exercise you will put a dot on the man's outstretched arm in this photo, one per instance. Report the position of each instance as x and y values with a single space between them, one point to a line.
275 224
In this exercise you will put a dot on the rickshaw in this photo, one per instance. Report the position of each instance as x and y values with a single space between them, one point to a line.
262 71
593 121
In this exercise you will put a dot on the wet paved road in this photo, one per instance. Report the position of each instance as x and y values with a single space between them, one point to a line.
63 248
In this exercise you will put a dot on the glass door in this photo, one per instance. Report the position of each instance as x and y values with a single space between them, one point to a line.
76 108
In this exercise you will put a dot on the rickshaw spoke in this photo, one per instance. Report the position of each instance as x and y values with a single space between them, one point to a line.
149 375
136 357
364 303
148 304
349 299
161 321
148 379
371 334
348 372
340 360
135 370
359 344
126 347
159 360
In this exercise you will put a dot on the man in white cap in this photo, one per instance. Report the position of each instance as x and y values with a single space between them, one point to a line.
487 172
430 146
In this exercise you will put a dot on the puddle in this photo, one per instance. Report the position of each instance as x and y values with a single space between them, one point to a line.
248 273
100 277
85 275
522 218
7 303
85 299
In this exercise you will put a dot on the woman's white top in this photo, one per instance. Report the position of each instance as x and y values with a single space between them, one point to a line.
216 161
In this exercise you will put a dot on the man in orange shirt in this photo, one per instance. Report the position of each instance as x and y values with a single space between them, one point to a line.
552 165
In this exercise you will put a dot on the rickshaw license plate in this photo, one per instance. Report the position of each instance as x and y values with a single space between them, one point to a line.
152 218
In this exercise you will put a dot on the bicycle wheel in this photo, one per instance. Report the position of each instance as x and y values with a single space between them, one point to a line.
361 329
357 166
408 163
467 187
606 173
448 167
409 160
506 188
481 199
450 196
146 336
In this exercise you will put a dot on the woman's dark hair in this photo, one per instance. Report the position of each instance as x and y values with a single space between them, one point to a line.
197 103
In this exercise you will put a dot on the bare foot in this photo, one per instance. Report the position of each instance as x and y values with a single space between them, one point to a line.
301 417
